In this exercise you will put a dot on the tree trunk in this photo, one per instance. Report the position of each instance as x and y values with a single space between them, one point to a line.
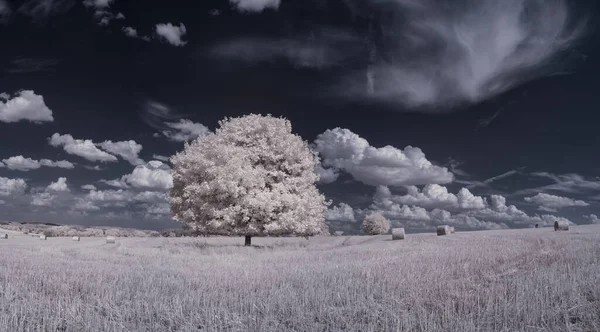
248 241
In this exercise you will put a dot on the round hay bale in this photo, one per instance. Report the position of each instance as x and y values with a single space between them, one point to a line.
76 238
443 230
398 233
4 236
110 239
43 237
561 225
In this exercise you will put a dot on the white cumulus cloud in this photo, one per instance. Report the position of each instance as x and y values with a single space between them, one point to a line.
593 218
549 202
20 163
9 187
59 185
171 33
25 106
387 166
128 150
435 196
82 148
342 212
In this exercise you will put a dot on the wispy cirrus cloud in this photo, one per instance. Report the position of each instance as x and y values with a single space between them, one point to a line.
170 124
31 65
5 11
255 5
565 183
439 53
42 9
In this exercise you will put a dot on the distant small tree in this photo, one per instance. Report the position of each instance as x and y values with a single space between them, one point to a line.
252 177
375 224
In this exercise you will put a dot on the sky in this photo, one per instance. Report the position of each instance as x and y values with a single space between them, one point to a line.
479 115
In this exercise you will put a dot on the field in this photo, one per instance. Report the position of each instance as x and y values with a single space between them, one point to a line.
511 280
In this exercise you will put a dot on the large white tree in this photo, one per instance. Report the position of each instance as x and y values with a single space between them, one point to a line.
375 224
252 177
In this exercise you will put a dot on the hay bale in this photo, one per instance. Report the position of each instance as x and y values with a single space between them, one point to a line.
4 236
443 230
76 238
43 237
110 239
561 225
398 233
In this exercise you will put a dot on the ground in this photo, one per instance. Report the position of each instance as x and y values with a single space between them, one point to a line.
510 280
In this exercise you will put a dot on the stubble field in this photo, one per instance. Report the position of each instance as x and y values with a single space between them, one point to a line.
511 280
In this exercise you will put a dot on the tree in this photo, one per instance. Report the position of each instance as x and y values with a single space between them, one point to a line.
252 177
375 224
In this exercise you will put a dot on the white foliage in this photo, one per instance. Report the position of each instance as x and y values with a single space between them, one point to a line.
253 176
375 224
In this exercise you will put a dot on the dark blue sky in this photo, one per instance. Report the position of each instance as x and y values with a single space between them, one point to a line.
481 91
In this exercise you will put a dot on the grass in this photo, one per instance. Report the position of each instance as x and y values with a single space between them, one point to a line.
510 280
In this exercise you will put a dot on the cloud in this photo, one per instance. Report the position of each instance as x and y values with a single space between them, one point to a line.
59 185
94 168
25 106
549 202
130 32
117 183
567 183
445 53
326 48
486 182
171 33
98 4
88 187
133 33
9 187
20 163
43 199
172 125
41 9
83 205
128 150
82 148
343 212
184 130
434 196
161 158
109 195
326 175
154 175
494 215
387 166
5 10
255 5
31 65
593 218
